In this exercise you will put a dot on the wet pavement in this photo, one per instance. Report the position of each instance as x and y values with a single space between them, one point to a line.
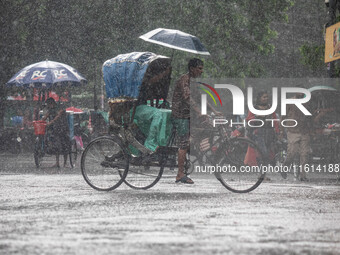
48 212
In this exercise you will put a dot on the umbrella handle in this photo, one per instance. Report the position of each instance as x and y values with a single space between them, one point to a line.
172 55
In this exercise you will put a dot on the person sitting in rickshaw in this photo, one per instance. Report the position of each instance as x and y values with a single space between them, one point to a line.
60 130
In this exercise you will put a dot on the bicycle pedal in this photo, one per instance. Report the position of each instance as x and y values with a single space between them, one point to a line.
135 160
112 164
114 157
105 164
172 164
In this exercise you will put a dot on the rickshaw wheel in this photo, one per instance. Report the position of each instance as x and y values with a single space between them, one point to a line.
73 153
144 175
104 163
238 176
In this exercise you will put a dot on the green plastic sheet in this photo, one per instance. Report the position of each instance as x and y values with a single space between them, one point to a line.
155 124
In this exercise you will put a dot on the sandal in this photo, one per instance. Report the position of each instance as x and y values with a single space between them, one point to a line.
185 179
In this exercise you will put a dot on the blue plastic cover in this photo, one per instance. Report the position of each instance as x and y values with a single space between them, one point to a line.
123 74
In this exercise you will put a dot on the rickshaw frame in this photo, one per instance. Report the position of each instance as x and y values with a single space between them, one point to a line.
106 160
325 139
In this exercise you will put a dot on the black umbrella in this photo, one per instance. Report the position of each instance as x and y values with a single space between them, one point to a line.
175 39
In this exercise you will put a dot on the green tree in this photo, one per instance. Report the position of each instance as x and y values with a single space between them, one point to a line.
84 34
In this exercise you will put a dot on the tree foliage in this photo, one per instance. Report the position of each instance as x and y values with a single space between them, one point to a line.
312 55
84 34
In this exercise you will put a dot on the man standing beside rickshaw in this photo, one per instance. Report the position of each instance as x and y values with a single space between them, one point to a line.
181 105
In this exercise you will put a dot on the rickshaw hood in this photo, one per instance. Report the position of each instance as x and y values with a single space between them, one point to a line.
123 74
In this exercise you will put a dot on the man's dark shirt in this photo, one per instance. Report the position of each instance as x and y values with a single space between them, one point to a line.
181 98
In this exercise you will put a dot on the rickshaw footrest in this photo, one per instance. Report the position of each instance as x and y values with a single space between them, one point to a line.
167 150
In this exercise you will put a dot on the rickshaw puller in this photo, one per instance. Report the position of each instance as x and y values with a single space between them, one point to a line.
182 102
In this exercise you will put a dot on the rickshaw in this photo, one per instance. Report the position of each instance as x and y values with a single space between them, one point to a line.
141 146
325 139
325 142
38 82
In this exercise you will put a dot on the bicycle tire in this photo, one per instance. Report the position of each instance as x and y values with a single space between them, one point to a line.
235 178
86 139
71 160
98 166
73 155
142 176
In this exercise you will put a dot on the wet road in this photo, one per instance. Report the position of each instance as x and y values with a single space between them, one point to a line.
43 212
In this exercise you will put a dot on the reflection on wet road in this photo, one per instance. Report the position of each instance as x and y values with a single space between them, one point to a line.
48 213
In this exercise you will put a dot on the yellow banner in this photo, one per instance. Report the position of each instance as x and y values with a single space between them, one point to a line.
332 48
